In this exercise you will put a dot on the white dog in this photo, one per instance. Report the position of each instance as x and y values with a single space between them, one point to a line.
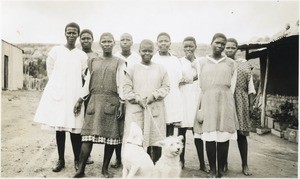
168 166
136 161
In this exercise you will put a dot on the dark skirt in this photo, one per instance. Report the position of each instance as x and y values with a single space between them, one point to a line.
101 117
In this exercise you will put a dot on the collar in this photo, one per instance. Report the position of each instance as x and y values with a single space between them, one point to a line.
214 60
134 144
157 54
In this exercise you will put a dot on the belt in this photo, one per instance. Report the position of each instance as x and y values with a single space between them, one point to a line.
105 92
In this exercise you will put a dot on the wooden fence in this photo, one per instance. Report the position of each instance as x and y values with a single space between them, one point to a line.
31 83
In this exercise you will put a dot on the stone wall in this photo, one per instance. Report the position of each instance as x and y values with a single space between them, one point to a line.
274 102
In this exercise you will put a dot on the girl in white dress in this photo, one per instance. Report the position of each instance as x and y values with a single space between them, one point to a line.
130 57
190 91
65 68
173 101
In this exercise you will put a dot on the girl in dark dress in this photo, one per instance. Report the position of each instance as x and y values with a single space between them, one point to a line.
102 122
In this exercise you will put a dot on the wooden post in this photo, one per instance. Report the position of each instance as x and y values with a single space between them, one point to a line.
264 96
247 54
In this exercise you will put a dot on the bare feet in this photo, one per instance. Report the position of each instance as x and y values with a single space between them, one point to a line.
246 171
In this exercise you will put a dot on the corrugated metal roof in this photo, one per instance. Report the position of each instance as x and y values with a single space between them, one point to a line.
259 45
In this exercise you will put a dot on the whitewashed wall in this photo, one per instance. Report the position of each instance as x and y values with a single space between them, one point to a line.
15 66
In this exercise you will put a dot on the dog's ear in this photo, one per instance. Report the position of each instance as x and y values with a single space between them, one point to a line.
180 137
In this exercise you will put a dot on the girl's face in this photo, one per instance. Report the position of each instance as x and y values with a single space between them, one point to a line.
218 45
107 43
230 49
189 48
71 34
163 43
126 42
86 40
146 52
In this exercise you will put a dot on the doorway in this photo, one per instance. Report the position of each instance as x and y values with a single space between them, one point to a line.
5 72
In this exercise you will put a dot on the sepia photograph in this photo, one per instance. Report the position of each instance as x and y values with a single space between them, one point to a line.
149 89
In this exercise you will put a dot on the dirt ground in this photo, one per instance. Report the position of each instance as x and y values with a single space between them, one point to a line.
28 151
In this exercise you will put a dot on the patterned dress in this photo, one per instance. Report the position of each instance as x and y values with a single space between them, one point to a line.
217 105
242 90
101 124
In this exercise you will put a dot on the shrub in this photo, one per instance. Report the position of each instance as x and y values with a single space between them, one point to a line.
285 115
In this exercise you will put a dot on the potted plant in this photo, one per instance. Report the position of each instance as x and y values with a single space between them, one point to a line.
284 117
294 124
291 132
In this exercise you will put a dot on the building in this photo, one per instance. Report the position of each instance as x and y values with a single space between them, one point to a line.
279 70
11 66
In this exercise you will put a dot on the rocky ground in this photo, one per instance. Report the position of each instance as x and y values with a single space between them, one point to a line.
27 151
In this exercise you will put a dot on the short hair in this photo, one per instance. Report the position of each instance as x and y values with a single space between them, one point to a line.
190 38
126 34
163 34
73 24
146 41
86 31
218 35
107 34
233 40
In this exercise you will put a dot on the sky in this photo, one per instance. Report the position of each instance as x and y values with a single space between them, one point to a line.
44 21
